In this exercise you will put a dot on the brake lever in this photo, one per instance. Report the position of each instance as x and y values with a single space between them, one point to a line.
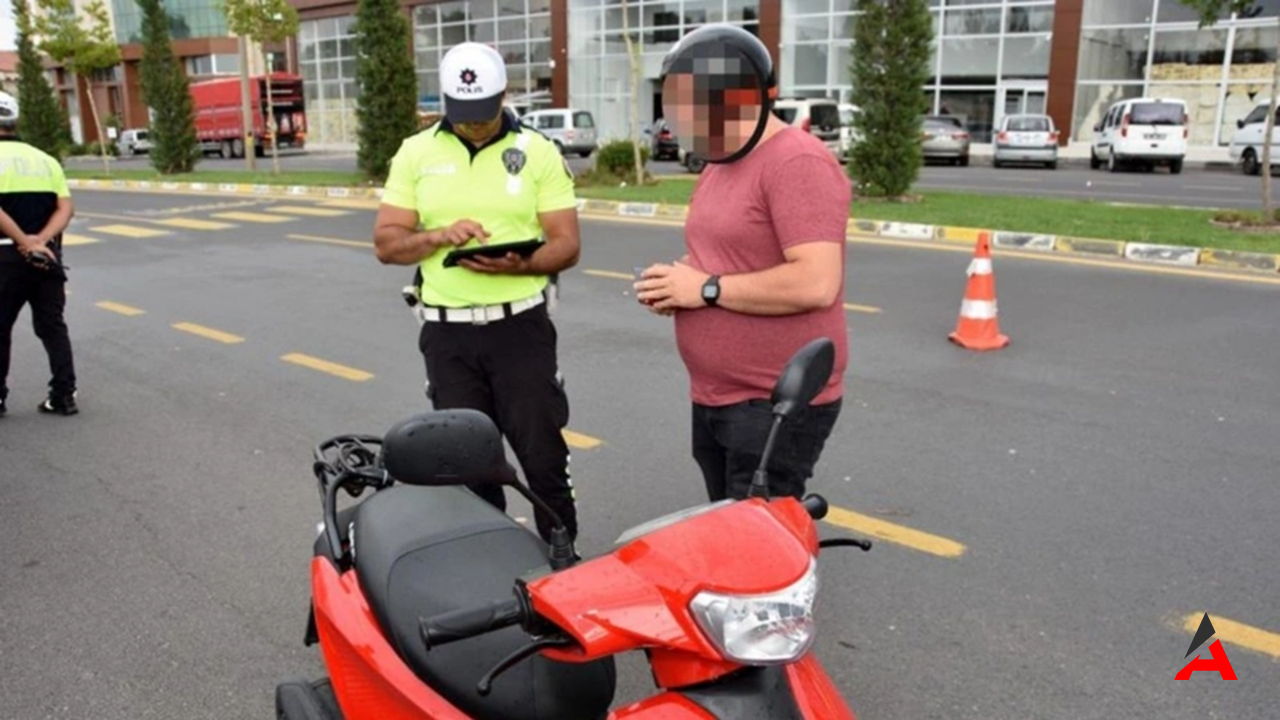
865 545
485 686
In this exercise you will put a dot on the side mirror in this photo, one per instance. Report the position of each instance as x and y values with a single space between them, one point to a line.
447 447
804 377
1240 124
1097 128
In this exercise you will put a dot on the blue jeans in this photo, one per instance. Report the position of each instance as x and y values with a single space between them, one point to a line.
728 442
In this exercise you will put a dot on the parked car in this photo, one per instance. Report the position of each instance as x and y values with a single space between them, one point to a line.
1247 143
1142 131
819 116
944 137
1026 139
132 142
573 131
662 142
849 135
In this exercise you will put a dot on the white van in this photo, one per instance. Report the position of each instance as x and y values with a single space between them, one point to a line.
1142 131
1246 144
573 131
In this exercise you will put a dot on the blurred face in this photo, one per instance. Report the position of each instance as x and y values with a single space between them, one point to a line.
715 108
479 132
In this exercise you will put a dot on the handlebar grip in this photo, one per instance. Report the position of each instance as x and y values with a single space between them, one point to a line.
469 622
816 505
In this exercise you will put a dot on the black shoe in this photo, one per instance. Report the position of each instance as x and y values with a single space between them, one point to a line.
3 409
59 406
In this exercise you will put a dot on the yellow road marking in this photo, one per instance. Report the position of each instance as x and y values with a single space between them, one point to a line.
195 224
253 217
870 310
331 241
70 239
324 366
580 441
209 333
353 203
1236 633
120 308
608 274
899 534
313 211
129 231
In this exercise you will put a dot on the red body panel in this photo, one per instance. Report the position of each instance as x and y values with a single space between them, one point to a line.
816 695
638 596
369 678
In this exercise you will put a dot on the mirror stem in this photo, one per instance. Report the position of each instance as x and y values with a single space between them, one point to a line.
760 481
561 553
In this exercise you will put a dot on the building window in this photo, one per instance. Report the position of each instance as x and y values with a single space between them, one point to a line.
1155 48
520 30
187 19
327 62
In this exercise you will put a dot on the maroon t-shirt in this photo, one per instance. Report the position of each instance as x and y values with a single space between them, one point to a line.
743 215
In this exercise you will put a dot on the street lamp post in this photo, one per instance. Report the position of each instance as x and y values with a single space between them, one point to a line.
246 108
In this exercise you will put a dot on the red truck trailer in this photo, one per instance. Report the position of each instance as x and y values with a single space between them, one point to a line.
220 118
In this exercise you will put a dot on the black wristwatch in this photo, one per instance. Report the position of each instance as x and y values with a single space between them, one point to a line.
711 290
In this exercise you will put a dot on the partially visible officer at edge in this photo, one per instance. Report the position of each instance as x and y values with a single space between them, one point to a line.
478 178
35 207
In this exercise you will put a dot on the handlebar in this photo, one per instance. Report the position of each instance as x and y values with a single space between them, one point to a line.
470 622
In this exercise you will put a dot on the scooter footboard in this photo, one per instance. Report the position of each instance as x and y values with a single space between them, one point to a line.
370 680
801 691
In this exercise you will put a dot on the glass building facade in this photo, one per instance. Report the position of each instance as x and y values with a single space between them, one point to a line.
1155 48
187 19
600 79
327 63
990 57
519 29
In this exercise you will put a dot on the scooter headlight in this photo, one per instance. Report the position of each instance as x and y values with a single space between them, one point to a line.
761 629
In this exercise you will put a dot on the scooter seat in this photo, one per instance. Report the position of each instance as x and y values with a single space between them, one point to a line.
421 551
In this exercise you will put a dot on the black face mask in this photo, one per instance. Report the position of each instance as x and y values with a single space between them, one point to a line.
716 95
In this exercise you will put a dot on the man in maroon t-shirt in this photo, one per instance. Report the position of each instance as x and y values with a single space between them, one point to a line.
763 277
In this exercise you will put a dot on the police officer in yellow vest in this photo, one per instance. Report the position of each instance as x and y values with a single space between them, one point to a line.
35 207
475 179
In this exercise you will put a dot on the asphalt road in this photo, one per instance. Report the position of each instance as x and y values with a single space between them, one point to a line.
1195 187
1108 475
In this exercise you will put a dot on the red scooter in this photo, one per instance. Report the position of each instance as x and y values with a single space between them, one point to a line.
408 587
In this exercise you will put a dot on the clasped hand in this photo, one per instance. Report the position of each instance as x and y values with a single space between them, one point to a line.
665 288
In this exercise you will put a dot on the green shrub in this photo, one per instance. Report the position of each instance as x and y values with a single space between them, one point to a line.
618 158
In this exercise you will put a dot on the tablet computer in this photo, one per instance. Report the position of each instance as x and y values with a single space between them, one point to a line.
524 248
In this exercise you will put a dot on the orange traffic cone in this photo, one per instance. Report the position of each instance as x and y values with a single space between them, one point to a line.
978 327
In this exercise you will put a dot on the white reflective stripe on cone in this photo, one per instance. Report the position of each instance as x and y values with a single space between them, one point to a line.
978 309
980 266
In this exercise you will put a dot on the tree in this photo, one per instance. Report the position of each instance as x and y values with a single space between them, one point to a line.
889 69
1210 11
174 146
84 51
387 108
633 54
264 21
41 120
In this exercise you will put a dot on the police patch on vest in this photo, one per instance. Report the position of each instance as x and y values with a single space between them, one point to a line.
513 158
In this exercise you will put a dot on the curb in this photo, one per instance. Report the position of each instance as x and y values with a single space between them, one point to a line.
1146 253
1174 255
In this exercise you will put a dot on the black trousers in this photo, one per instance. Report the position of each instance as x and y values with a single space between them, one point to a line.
728 442
21 284
508 370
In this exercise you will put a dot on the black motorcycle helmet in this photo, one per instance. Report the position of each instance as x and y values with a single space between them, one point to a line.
727 63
